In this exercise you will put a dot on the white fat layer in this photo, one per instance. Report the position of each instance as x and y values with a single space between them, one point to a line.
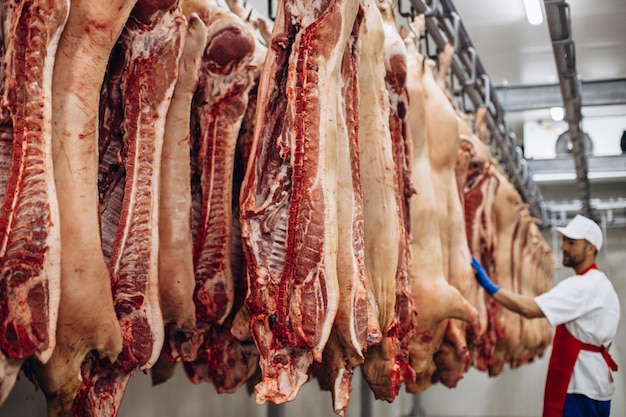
350 267
52 259
377 168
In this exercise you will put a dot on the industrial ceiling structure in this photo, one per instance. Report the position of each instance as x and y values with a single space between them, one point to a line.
568 55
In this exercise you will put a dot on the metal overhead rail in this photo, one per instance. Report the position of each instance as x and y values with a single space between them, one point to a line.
444 26
534 97
558 18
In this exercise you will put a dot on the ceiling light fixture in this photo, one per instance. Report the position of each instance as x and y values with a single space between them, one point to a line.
534 13
557 113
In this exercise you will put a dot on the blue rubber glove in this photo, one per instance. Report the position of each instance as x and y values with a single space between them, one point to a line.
483 278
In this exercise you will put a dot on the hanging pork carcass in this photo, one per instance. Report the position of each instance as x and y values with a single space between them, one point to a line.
288 203
30 285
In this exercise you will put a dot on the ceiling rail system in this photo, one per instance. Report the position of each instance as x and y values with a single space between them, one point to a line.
559 23
444 25
535 97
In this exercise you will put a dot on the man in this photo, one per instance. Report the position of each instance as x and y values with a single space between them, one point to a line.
585 310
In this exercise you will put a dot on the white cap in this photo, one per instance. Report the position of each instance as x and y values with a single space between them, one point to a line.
583 228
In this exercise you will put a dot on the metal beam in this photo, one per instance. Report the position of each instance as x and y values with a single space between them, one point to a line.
559 25
534 97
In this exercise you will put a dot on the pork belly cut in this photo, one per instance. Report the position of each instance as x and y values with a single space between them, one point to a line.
151 47
29 219
288 209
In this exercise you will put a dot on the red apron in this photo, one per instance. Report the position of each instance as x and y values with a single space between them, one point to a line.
565 350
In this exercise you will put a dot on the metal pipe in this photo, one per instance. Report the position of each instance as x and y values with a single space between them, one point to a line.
416 409
559 24
275 410
366 399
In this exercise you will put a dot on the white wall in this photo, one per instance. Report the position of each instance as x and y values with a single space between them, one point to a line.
605 132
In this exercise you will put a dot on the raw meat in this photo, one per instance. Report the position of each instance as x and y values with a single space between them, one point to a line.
87 320
532 252
150 48
496 349
385 159
479 190
176 276
454 356
219 104
355 326
427 277
29 220
288 206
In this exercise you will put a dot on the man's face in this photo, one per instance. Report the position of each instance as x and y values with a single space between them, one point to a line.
575 251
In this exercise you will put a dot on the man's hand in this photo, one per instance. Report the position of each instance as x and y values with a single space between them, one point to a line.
483 278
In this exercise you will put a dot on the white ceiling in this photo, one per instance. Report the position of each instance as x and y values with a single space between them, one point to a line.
512 50
515 53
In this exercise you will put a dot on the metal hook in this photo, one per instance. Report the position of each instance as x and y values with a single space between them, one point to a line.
410 14
525 176
473 56
456 23
434 9
487 89
270 10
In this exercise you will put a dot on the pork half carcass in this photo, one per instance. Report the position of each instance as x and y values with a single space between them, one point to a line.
444 138
495 350
455 355
479 190
288 205
87 320
150 48
387 365
534 276
355 326
436 300
382 231
219 106
176 277
30 287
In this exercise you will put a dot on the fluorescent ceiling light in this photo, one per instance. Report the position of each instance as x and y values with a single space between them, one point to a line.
557 113
534 14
